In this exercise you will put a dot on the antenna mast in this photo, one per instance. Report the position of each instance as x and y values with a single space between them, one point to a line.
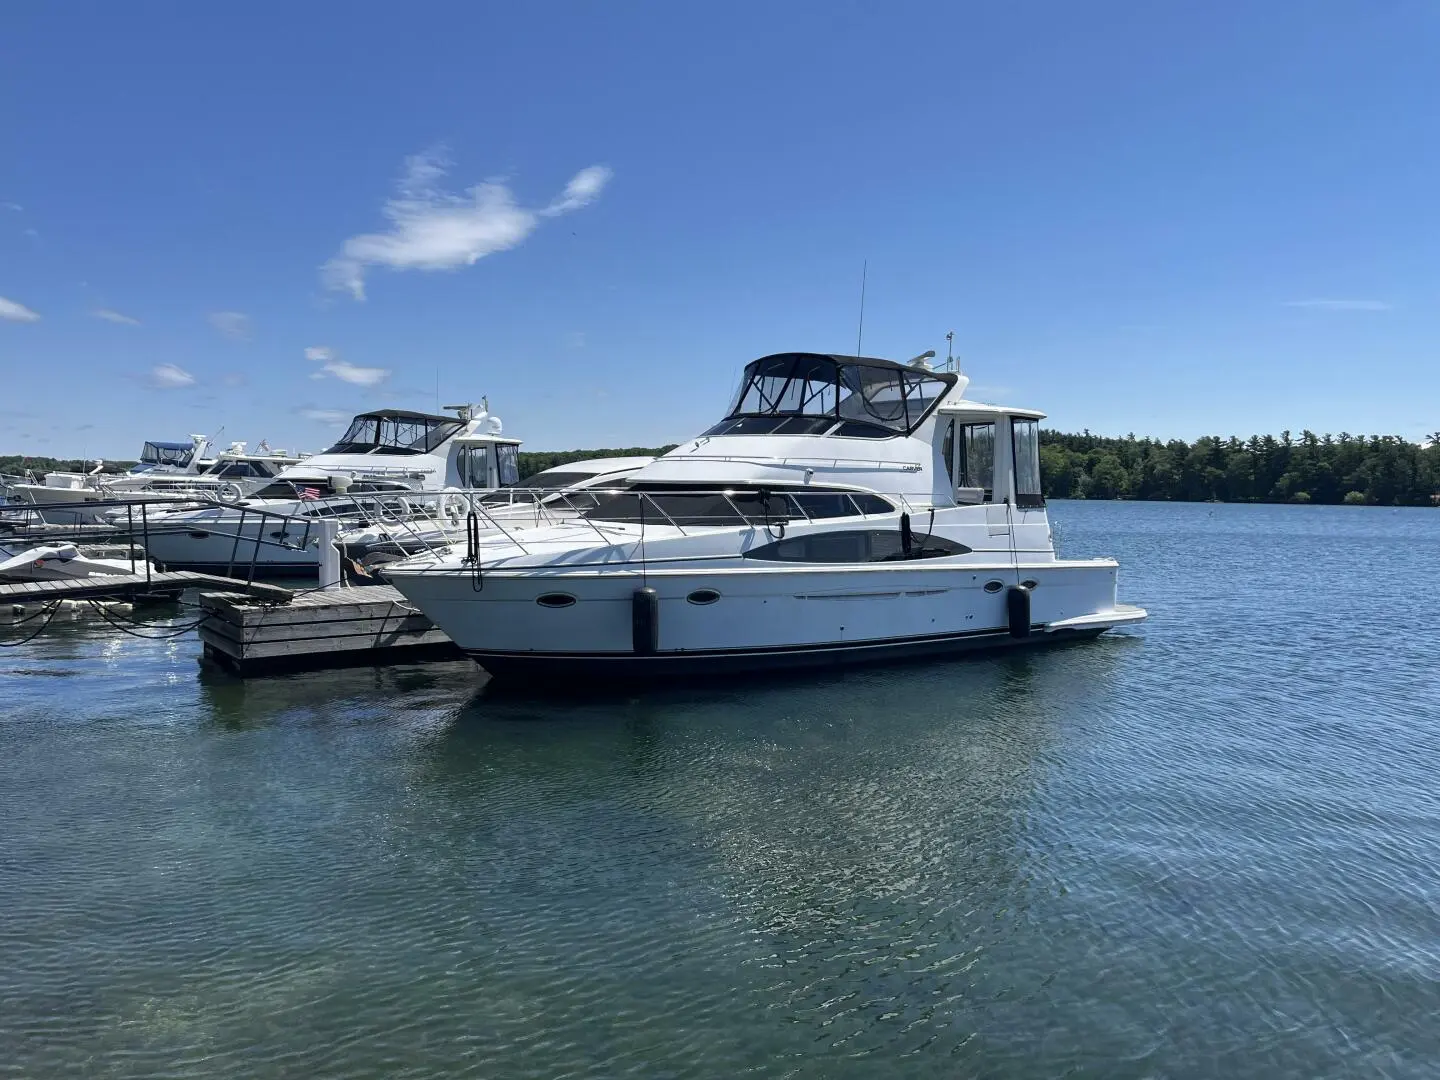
950 351
860 334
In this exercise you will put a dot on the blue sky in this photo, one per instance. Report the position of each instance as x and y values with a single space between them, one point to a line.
1161 218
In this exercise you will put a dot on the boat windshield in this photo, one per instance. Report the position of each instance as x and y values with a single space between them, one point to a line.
395 433
810 394
167 453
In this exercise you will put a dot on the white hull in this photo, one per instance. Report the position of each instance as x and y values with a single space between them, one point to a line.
763 617
214 541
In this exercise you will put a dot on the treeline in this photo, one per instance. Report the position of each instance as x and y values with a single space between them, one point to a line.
20 465
1379 470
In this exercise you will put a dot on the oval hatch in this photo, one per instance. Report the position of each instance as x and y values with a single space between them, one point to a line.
993 586
555 600
703 597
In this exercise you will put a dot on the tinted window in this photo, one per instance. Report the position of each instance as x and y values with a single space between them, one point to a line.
854 546
729 507
871 504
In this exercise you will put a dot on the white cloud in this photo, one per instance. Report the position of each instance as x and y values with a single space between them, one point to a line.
233 324
583 189
170 377
13 206
16 312
325 416
1341 305
331 364
115 316
432 229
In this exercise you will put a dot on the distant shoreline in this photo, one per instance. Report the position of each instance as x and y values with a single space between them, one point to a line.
1325 470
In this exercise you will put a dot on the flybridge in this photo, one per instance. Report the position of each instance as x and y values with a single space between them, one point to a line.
825 394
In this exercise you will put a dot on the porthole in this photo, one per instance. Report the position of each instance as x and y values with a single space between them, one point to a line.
199 536
1029 583
555 600
993 586
703 596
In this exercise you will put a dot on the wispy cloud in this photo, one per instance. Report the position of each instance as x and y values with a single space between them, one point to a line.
1341 305
17 312
233 324
331 364
324 416
433 229
110 315
170 377
13 206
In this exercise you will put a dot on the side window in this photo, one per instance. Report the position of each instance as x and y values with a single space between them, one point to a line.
871 504
976 464
507 456
855 546
947 450
1025 439
474 466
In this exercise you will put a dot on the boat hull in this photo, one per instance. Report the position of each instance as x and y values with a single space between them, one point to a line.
545 668
538 626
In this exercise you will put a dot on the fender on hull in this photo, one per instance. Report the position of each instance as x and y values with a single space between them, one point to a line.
544 668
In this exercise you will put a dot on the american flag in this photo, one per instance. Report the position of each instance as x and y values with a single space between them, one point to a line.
309 493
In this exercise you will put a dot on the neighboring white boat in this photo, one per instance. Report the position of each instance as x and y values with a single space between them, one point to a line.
69 489
59 562
166 472
547 498
846 509
390 465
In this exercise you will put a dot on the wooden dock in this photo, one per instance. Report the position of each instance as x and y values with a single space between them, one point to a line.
133 587
337 627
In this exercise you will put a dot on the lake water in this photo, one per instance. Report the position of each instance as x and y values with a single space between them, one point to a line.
1209 847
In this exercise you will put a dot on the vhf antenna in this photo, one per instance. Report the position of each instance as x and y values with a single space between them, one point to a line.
860 334
950 351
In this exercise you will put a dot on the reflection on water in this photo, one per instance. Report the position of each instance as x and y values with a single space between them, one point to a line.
1202 849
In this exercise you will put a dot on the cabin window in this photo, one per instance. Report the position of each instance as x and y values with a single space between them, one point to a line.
1025 440
473 465
855 546
727 506
976 464
507 457
947 450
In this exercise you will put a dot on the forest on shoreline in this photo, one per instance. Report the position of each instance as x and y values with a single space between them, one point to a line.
1375 470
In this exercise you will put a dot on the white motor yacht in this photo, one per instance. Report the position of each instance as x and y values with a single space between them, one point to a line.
390 465
846 509
158 461
547 498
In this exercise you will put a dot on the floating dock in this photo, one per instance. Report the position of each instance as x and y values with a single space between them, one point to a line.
133 587
333 627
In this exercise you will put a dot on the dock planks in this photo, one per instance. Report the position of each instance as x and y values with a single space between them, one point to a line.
325 628
129 586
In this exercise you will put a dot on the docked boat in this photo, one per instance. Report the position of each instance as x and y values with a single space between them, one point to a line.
167 472
389 466
61 562
845 509
66 492
547 498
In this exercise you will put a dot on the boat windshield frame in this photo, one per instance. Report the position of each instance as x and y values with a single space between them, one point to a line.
397 431
823 394
166 453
